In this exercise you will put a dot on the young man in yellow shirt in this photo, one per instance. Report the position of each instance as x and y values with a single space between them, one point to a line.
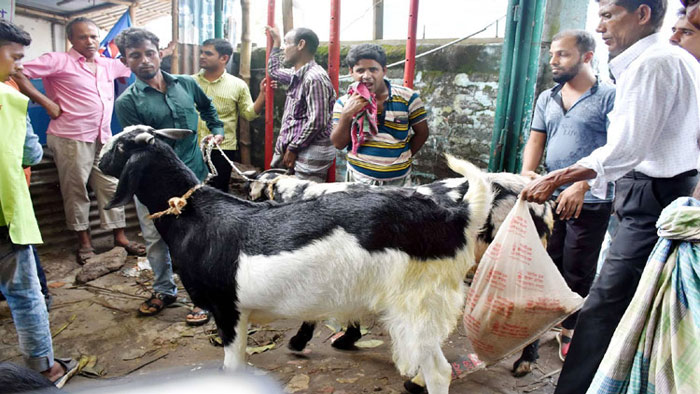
232 99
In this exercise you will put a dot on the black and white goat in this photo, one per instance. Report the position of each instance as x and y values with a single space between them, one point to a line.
447 192
396 254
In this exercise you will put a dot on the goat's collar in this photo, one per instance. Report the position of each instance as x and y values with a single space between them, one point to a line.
176 204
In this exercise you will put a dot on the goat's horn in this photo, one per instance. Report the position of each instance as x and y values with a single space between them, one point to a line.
144 138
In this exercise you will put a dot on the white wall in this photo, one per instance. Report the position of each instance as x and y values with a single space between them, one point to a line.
40 30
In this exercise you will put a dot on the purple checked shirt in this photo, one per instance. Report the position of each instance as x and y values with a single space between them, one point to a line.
308 108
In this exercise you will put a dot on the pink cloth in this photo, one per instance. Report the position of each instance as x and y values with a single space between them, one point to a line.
86 99
367 114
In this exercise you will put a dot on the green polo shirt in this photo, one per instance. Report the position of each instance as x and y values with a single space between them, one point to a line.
141 104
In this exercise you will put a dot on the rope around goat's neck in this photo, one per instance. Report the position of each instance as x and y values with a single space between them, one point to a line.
177 204
206 152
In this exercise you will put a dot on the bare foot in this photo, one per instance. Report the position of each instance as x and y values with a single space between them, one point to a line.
54 373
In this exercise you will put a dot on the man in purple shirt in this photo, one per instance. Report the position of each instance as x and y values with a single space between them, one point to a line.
80 89
304 144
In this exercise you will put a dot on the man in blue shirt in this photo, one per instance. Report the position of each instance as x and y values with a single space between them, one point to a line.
569 122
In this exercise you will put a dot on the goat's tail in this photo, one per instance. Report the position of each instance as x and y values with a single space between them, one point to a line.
479 196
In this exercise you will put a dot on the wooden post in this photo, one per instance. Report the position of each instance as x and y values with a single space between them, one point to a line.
269 93
244 71
410 65
175 60
378 17
132 14
287 15
334 62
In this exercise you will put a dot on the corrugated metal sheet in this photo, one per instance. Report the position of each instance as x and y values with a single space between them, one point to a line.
48 208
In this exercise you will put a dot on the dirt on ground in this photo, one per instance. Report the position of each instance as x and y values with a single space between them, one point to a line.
99 319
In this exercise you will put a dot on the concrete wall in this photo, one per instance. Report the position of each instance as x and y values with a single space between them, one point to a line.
458 86
43 40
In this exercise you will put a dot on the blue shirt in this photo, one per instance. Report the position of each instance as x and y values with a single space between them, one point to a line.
32 151
574 134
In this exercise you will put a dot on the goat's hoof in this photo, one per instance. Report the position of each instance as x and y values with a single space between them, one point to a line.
345 342
297 344
413 388
521 368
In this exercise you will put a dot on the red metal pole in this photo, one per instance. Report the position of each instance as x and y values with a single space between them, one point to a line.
269 93
334 62
410 65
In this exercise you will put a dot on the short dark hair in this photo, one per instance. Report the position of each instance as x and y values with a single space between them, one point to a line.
9 32
584 40
365 51
133 37
658 9
682 12
309 37
80 19
222 46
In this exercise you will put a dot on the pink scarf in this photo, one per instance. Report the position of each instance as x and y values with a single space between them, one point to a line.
364 121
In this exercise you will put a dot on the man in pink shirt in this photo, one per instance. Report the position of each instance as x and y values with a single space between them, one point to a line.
79 98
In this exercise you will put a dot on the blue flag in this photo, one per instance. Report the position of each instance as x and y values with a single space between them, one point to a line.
107 47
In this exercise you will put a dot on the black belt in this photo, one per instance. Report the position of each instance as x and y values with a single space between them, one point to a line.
642 176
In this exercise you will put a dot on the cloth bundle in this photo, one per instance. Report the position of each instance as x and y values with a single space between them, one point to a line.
364 121
655 347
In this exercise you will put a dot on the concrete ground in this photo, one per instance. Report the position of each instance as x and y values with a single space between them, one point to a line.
100 319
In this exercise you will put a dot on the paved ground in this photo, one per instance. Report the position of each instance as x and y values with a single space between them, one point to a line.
100 320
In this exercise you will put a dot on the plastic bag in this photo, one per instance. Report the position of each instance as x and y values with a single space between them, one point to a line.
517 293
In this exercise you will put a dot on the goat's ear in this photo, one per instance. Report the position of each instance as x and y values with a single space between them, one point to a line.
173 134
128 182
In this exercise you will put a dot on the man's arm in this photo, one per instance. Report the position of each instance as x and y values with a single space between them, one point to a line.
32 152
274 65
26 87
126 112
533 152
248 109
420 135
207 112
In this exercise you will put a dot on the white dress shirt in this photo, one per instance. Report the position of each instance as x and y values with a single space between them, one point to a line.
655 123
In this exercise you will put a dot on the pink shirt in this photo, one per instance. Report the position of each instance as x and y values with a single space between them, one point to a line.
86 98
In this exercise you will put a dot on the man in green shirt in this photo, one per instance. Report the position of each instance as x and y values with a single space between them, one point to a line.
161 100
231 98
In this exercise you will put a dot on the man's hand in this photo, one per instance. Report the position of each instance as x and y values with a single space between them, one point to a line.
540 189
289 159
354 105
263 85
53 109
274 32
570 201
216 138
696 193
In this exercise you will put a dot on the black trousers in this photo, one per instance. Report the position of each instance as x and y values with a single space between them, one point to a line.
639 200
221 181
574 247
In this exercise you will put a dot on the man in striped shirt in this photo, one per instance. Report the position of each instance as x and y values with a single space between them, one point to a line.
384 158
303 144
231 98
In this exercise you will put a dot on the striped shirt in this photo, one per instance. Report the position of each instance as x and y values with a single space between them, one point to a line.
387 155
231 98
307 111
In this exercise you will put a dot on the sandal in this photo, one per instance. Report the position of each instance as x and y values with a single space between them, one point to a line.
197 317
70 367
156 304
83 254
135 249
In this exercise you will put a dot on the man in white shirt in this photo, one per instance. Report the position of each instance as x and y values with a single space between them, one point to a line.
652 154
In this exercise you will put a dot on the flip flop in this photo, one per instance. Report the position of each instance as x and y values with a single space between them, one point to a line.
135 249
83 254
70 366
198 318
